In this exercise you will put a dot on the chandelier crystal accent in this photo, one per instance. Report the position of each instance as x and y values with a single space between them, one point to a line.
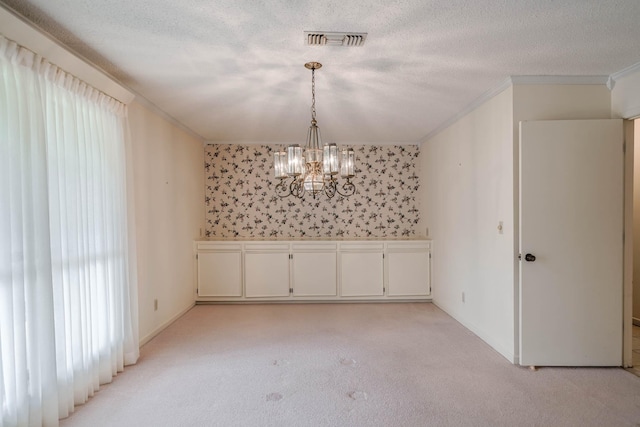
316 170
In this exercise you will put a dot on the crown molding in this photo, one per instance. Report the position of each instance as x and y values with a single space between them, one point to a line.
635 68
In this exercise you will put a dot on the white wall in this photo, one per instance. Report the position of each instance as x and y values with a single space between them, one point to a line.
467 189
169 208
469 184
560 102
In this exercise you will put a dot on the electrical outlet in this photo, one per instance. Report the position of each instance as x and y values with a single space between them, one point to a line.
463 297
155 304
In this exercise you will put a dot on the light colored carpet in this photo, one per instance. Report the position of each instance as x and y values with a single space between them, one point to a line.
346 365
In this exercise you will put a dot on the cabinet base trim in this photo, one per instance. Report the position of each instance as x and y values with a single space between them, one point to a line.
337 301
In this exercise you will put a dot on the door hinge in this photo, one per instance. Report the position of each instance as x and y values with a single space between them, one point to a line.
429 255
290 256
383 290
624 147
290 290
382 256
196 256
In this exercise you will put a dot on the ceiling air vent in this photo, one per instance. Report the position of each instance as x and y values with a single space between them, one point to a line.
320 38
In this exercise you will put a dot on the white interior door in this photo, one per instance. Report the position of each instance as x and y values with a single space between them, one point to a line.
571 220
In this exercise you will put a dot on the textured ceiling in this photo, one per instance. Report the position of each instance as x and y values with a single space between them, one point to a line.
232 70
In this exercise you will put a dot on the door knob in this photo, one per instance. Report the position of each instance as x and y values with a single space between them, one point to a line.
530 257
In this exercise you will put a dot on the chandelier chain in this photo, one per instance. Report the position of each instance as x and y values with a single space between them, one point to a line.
313 94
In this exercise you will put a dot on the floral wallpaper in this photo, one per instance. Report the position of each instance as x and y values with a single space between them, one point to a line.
241 201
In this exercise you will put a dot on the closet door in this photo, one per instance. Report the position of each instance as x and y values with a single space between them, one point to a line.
571 246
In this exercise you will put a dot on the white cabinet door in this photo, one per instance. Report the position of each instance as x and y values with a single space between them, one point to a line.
220 274
314 273
266 274
362 272
408 272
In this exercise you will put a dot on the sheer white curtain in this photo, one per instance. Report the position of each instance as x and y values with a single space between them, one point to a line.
68 297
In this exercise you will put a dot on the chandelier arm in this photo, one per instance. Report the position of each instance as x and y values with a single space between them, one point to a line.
282 189
330 189
296 188
348 189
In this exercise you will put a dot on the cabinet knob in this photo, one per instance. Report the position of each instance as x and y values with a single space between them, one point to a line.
529 257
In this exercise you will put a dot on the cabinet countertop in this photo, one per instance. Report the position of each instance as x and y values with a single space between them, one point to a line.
314 239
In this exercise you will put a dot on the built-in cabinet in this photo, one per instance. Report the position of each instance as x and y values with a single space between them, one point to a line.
313 270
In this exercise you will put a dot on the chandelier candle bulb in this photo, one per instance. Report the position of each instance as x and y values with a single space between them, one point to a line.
280 164
330 159
295 160
347 164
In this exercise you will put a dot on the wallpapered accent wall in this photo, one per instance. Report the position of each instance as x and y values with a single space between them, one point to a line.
241 202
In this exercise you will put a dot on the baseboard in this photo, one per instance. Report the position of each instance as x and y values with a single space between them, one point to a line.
636 321
480 333
164 326
311 301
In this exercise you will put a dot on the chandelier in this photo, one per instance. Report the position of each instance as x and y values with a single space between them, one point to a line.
316 171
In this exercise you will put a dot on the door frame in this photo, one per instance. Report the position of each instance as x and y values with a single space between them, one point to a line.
627 309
